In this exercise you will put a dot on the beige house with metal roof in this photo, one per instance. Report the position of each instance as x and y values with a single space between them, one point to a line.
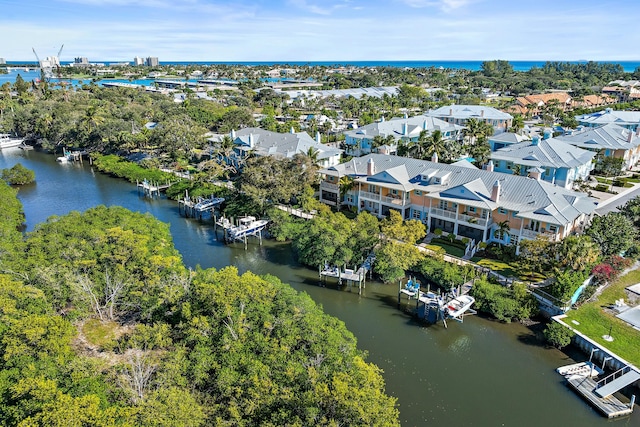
467 202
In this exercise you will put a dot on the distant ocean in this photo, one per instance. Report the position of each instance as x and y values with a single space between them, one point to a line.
628 66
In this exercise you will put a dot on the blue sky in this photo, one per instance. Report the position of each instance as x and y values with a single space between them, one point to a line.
317 30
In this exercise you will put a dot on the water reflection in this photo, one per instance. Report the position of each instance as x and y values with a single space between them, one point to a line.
476 373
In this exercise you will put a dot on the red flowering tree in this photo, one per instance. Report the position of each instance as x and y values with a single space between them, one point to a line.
603 273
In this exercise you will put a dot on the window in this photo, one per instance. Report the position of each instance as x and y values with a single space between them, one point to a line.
553 229
442 204
415 214
394 192
472 209
372 188
418 193
502 211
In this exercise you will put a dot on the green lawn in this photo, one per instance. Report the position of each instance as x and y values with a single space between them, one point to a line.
451 250
595 322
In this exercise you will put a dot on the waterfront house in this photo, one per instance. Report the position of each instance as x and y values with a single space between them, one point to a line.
260 142
610 140
626 119
399 130
460 114
561 163
467 202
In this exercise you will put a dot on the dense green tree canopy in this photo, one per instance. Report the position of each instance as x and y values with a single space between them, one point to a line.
152 344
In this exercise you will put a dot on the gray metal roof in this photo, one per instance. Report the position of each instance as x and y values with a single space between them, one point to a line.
610 136
267 143
549 152
396 127
530 198
610 116
464 112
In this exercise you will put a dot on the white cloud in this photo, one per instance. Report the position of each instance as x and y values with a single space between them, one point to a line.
444 5
325 9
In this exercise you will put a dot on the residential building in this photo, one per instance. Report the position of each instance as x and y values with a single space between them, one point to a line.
460 114
626 119
623 90
260 142
152 61
81 61
137 61
505 139
359 141
465 201
560 163
535 104
3 61
610 140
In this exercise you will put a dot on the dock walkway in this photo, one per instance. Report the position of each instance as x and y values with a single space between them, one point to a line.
610 406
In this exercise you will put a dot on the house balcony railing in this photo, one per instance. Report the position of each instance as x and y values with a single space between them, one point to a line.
532 234
443 213
369 196
398 200
474 220
329 186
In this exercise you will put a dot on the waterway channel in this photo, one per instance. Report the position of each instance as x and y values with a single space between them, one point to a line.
478 373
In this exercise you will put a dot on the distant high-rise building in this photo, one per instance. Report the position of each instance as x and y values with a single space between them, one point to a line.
152 61
137 61
2 61
81 61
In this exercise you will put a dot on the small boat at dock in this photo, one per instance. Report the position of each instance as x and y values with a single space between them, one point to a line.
581 369
7 142
247 225
458 306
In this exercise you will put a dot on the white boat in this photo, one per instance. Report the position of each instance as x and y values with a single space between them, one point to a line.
205 204
457 306
248 225
581 369
7 142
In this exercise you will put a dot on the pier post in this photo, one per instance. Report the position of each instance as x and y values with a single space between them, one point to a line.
633 401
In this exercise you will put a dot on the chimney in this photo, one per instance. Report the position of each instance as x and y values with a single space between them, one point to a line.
495 192
535 140
318 138
233 134
451 111
406 116
434 157
481 113
292 130
630 136
638 131
546 134
371 167
490 166
405 128
252 141
535 173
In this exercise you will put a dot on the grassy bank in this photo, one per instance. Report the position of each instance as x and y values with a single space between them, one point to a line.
595 321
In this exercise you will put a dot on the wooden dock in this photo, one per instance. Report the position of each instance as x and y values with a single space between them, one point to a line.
609 406
350 276
151 189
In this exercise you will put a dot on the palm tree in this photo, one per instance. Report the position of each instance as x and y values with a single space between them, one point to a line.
517 124
502 230
472 130
345 184
435 143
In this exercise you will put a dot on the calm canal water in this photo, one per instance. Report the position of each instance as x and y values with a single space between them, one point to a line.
479 373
